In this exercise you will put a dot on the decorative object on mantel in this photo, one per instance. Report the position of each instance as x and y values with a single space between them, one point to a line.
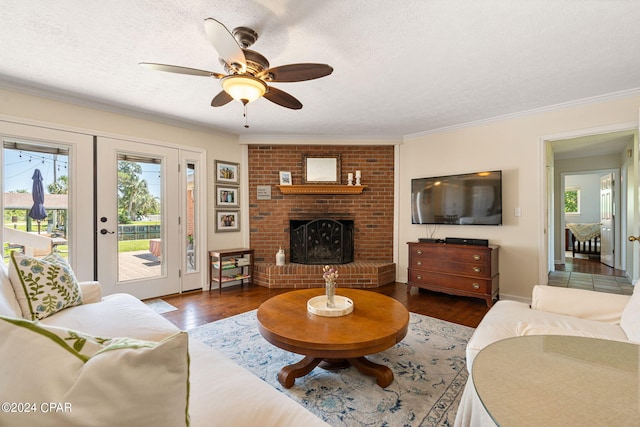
358 176
321 169
285 178
330 304
321 189
349 178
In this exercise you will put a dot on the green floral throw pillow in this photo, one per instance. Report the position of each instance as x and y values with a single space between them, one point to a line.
43 286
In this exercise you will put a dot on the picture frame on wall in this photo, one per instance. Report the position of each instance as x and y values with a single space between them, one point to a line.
228 197
227 172
227 221
285 178
321 169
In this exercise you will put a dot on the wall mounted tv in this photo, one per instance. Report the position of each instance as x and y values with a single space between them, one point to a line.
466 199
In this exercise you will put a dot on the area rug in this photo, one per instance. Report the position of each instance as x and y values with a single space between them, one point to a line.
429 368
159 306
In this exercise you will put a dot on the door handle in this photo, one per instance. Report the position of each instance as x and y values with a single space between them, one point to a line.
105 231
633 238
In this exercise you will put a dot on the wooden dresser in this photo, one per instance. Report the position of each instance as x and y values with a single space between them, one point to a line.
470 271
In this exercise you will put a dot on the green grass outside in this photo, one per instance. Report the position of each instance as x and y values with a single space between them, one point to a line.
123 246
133 245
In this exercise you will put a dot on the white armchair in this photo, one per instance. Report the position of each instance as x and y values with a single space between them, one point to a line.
553 311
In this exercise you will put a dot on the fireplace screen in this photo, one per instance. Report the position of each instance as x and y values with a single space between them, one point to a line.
321 241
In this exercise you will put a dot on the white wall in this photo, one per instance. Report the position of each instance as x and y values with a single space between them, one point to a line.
516 146
31 109
589 186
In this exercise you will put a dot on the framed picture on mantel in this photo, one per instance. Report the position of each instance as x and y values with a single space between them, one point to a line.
321 169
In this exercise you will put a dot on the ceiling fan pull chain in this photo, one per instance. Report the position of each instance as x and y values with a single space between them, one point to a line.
246 124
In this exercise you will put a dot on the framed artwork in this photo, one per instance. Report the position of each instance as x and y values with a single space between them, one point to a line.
321 169
227 221
227 172
227 196
285 178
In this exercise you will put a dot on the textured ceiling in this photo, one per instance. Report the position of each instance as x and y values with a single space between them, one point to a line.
401 67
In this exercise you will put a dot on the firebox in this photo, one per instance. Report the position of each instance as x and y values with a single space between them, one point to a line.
321 241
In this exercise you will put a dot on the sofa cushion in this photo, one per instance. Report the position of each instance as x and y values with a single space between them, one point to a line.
630 320
117 315
92 381
506 319
8 304
43 286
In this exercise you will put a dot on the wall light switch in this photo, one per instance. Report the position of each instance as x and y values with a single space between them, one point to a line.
517 212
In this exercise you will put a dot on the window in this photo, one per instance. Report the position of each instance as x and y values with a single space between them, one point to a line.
572 200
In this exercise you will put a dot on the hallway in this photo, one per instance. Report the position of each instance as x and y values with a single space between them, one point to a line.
590 274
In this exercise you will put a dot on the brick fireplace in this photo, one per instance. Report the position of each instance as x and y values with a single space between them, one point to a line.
370 212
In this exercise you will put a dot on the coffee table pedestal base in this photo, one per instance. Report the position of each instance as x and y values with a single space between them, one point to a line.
287 375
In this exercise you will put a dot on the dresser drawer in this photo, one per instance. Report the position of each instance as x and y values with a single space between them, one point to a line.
473 255
468 284
482 270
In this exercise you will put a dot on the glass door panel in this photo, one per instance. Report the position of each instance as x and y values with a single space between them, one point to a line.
191 194
35 198
139 217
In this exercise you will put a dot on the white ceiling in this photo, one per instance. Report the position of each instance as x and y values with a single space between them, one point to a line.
401 67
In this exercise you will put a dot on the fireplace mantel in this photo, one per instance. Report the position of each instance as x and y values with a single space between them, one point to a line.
321 189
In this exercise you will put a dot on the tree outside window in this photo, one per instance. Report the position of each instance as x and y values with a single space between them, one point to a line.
572 200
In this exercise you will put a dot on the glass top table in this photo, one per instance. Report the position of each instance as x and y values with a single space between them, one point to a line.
552 380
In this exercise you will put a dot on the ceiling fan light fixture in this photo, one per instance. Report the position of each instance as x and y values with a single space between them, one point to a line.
243 87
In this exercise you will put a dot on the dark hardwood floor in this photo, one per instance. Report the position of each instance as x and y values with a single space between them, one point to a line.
584 264
201 307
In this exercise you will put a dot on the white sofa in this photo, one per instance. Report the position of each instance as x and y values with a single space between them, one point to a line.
221 392
553 311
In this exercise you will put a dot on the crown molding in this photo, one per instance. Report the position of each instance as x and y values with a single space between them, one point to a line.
556 107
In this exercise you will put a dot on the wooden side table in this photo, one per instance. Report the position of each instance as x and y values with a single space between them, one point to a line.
237 263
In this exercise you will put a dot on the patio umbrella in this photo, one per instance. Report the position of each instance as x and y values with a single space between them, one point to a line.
37 211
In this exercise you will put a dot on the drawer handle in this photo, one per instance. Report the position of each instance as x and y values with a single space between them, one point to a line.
476 286
419 277
419 251
477 257
419 262
477 269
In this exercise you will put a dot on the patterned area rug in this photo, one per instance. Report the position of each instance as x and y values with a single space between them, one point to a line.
428 365
159 306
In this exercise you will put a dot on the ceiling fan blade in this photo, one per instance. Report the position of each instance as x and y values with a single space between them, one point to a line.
282 98
221 99
180 70
297 72
226 45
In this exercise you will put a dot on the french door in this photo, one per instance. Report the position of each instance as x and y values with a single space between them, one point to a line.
138 218
64 160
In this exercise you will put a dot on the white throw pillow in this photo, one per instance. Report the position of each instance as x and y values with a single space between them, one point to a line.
8 304
630 320
43 286
57 376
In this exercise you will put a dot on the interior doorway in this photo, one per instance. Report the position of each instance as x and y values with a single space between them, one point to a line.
596 154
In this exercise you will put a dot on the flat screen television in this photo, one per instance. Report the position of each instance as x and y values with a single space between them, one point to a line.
465 199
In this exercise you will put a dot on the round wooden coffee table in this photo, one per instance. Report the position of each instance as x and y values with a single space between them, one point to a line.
376 323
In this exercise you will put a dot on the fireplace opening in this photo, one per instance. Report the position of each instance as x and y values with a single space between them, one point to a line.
321 241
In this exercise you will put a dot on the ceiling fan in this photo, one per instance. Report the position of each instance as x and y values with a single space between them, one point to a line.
247 72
